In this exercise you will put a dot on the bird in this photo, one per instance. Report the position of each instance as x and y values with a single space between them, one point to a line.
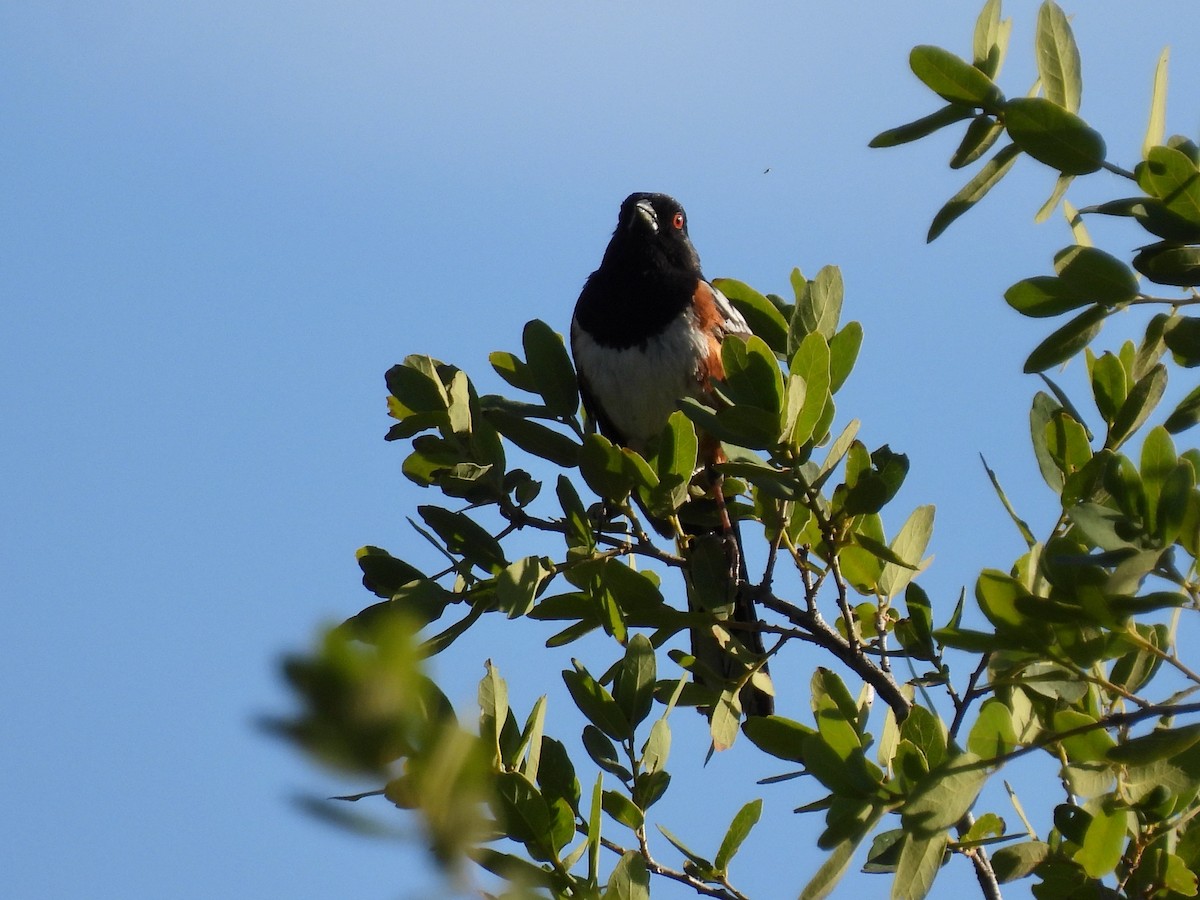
646 333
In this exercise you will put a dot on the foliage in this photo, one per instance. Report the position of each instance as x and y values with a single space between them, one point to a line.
1074 651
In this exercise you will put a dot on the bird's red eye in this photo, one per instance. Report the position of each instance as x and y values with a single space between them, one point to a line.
678 220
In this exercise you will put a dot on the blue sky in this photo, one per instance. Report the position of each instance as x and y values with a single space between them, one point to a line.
222 223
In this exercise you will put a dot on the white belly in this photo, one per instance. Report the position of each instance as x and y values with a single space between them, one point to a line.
639 387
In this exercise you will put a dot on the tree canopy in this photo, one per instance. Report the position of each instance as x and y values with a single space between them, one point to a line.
1072 652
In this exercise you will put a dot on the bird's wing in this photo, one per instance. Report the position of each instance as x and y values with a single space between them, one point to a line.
733 322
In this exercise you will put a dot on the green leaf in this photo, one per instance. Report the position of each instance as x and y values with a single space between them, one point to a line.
1095 274
843 352
1162 743
596 703
752 375
513 370
920 860
1169 263
993 733
820 306
551 369
465 537
739 828
1054 136
1060 189
629 879
675 461
603 753
973 191
1017 861
1186 414
579 529
696 859
1169 174
982 134
1066 341
519 584
763 317
534 437
657 747
633 687
1143 398
953 79
622 810
944 796
522 811
923 127
1182 337
603 467
1022 527
383 574
909 544
811 362
780 737
1043 296
985 37
838 862
1058 58
1110 386
417 385
1156 128
1104 842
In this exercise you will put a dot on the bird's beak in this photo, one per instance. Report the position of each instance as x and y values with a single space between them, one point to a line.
646 211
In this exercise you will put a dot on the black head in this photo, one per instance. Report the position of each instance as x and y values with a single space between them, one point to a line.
652 232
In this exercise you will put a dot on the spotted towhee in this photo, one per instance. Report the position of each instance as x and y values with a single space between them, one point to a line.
647 333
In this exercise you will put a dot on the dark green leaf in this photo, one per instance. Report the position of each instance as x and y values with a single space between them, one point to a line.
923 127
550 367
981 135
383 574
1169 263
522 811
1096 275
1186 414
1182 337
465 537
974 190
1017 861
416 384
1067 340
595 702
633 687
1162 743
1138 406
1044 295
534 437
603 753
1054 136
